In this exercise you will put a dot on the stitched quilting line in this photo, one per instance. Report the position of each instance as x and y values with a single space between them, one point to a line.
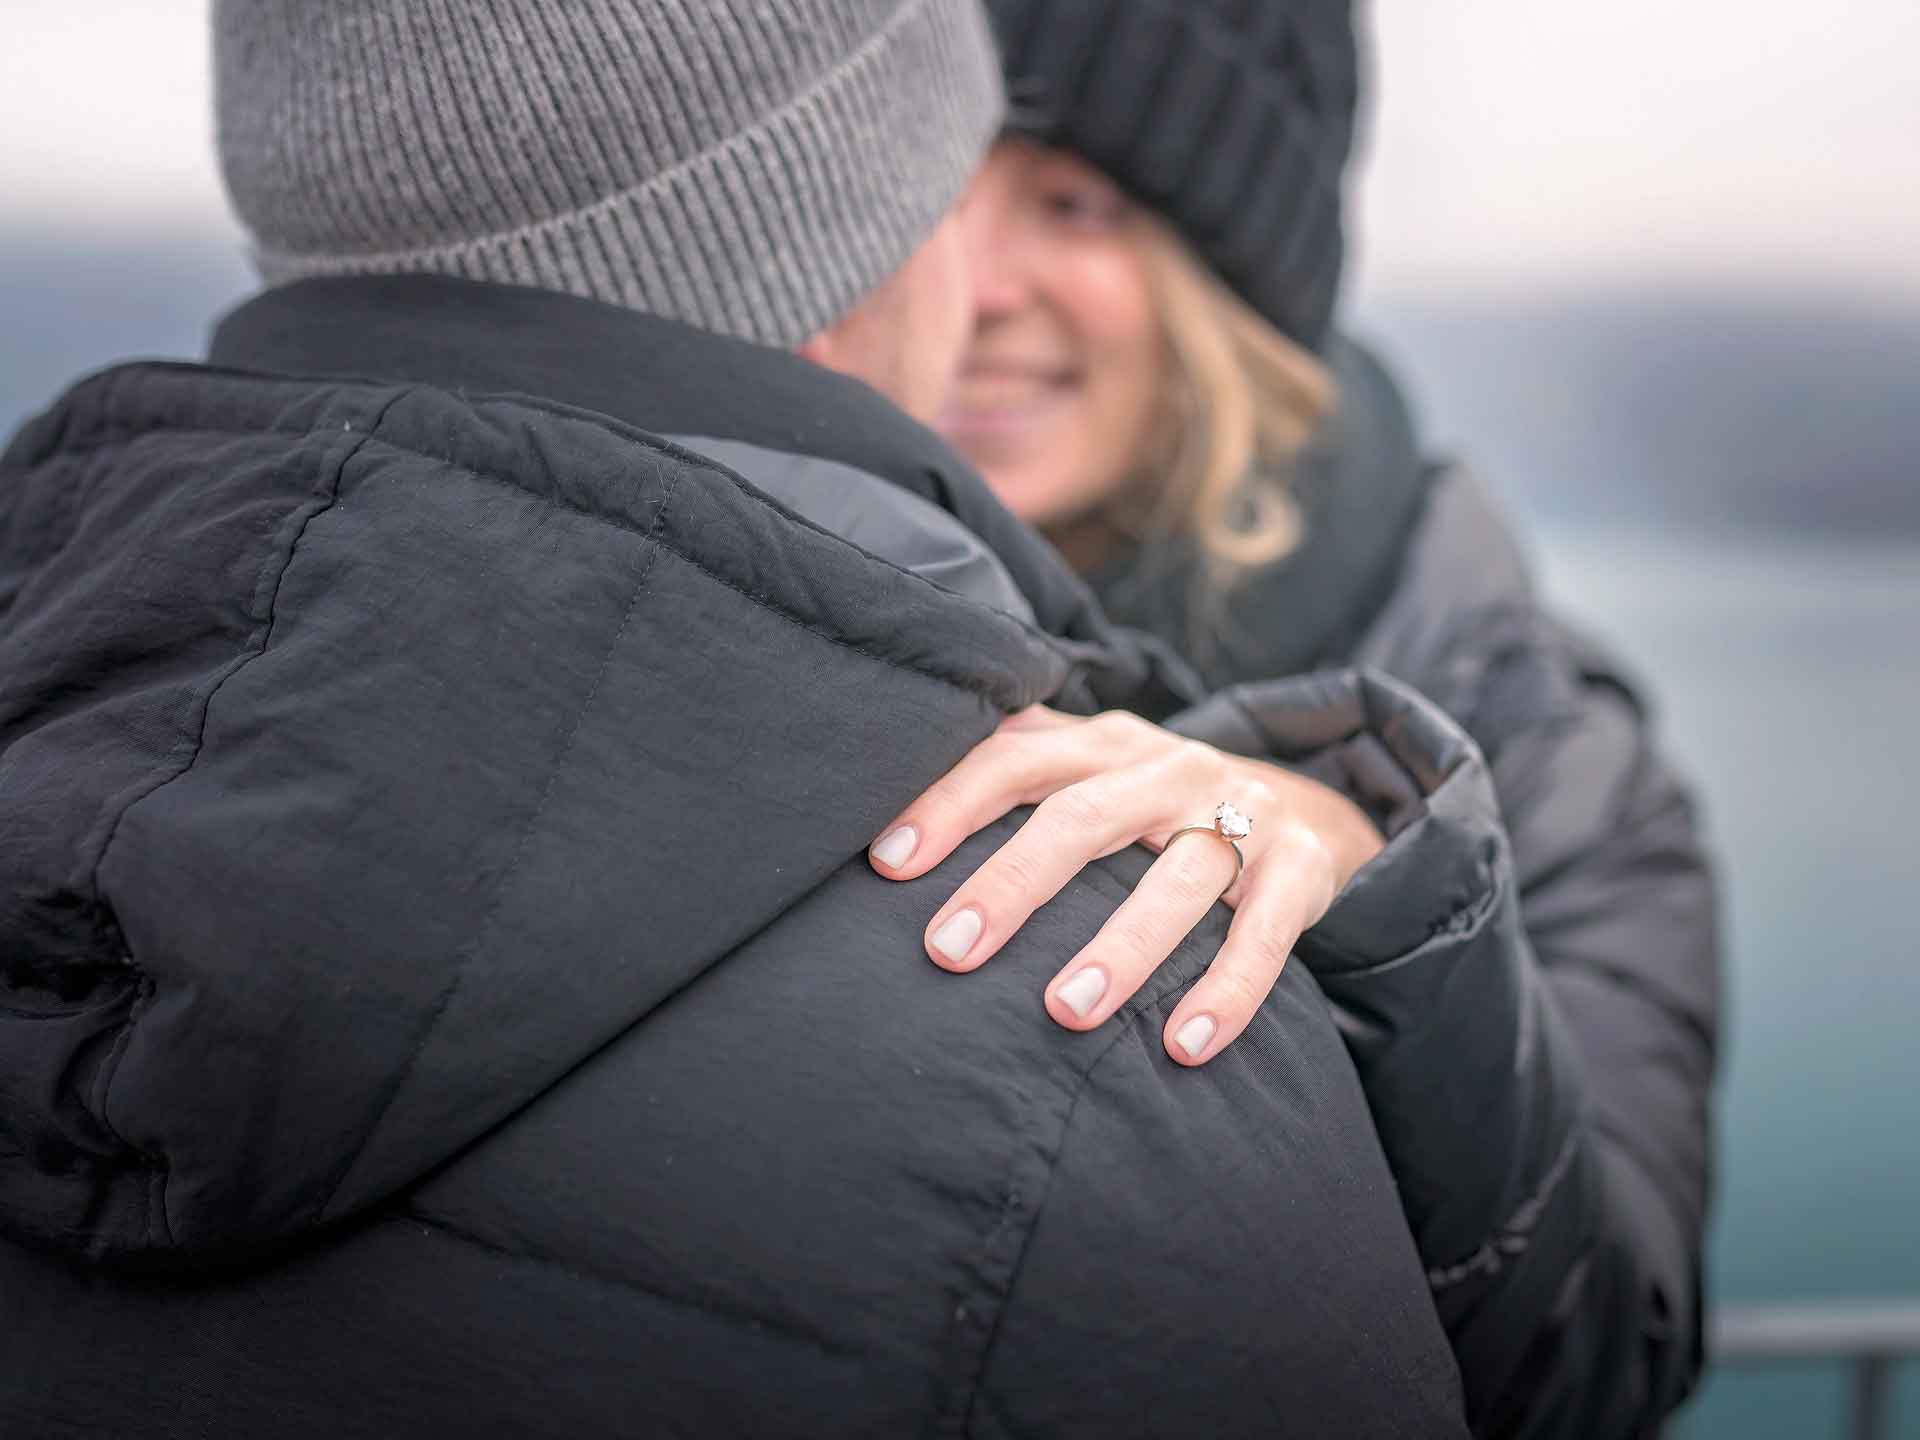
1132 1016
771 1325
1511 1239
1466 919
157 1164
129 430
97 1102
766 602
496 907
779 612
692 461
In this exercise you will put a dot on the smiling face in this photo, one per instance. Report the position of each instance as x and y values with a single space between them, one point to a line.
1060 389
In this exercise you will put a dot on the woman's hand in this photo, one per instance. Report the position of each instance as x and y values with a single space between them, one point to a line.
1101 785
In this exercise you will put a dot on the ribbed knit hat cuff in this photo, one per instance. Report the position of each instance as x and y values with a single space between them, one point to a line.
777 232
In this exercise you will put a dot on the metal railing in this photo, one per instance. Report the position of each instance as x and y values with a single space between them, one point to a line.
1869 1336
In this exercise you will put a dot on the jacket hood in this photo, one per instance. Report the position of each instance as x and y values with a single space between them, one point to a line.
363 742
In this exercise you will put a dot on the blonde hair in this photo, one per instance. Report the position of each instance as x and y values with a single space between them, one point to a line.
1243 403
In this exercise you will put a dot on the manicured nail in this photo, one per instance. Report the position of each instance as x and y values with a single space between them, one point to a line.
1194 1036
895 848
955 938
1083 991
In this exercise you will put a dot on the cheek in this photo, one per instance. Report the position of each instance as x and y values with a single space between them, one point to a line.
1126 369
1111 303
945 295
1099 310
1092 451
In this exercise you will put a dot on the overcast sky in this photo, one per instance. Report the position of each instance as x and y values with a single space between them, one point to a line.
1513 140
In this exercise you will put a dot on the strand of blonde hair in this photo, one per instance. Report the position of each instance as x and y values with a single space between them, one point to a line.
1244 402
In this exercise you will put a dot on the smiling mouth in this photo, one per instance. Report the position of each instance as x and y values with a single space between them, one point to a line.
996 400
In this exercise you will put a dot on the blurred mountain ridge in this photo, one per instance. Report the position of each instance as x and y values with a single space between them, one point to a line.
1710 410
1694 408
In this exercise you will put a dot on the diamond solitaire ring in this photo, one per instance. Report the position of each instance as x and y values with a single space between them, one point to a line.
1229 825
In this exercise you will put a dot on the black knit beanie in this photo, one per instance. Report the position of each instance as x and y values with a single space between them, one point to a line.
1231 118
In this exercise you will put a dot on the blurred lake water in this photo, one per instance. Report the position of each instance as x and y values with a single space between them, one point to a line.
1724 489
1788 679
1726 486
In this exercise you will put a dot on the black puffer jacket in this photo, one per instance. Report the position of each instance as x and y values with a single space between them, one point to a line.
442 989
1568 1273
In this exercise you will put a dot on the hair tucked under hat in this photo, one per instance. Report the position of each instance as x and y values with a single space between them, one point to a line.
1232 118
752 167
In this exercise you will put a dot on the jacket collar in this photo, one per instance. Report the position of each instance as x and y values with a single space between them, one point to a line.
1361 487
668 378
658 375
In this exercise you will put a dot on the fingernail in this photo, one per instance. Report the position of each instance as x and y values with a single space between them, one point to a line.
1194 1036
895 848
1083 991
955 938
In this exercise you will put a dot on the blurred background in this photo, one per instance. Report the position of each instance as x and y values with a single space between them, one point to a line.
1654 270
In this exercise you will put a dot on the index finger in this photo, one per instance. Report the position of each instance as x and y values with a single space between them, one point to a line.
1028 758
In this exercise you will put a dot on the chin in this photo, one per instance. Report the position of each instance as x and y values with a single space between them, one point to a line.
1011 486
1033 493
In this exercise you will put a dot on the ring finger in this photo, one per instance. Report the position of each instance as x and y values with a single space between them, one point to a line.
1181 886
1289 890
1096 817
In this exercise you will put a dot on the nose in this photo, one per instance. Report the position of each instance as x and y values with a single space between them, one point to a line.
996 256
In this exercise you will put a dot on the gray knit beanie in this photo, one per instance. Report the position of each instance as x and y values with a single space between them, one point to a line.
752 167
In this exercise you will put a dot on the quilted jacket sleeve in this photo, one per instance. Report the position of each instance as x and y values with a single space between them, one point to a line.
1526 979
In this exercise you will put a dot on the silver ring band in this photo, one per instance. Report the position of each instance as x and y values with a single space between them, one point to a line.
1228 824
1239 857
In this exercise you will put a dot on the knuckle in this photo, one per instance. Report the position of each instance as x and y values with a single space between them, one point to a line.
1303 874
1000 760
1196 757
1261 799
1021 870
1014 720
1138 938
1190 765
1194 880
1318 861
998 745
1078 807
1240 992
1269 948
1120 730
1303 847
945 802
